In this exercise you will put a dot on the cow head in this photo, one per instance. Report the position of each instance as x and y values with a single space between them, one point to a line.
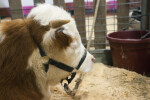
61 41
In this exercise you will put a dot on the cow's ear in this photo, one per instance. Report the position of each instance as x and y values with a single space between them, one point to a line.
62 40
58 23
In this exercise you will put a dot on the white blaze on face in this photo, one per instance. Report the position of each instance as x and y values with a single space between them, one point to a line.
45 14
77 49
88 63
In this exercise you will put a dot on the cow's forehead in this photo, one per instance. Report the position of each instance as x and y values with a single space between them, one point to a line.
45 13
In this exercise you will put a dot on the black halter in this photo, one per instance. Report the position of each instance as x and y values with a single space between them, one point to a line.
62 65
59 64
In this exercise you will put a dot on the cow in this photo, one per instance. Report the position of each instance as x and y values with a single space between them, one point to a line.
38 52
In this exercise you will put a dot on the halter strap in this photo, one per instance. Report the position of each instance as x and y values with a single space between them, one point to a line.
62 65
56 63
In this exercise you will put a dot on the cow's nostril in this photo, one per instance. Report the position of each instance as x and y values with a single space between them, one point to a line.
93 59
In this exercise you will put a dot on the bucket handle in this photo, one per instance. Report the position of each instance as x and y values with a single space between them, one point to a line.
145 36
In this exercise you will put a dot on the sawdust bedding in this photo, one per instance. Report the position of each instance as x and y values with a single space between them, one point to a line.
107 83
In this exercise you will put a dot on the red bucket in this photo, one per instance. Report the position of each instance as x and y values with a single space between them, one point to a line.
129 51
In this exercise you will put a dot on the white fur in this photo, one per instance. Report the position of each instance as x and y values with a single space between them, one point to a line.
88 63
35 60
2 36
45 13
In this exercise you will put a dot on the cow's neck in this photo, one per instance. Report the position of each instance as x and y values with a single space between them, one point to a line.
19 76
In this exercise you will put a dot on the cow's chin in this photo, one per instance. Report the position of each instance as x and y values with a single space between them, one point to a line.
87 64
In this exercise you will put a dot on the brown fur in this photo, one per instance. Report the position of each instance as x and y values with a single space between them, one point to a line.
62 40
37 30
16 82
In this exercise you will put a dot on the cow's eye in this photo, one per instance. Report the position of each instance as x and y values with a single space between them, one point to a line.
60 30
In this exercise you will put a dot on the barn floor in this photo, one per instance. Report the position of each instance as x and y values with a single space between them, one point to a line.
108 83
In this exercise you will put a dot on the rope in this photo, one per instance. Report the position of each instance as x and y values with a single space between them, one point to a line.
95 16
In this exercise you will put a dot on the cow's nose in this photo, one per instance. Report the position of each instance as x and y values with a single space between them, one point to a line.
93 59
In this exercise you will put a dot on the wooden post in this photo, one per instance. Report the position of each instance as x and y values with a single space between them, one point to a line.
149 12
79 14
16 9
100 26
145 23
60 3
122 13
149 16
148 7
38 1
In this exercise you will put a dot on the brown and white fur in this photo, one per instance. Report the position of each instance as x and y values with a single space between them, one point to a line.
22 74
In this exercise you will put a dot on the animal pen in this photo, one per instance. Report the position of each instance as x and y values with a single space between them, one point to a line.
117 15
112 16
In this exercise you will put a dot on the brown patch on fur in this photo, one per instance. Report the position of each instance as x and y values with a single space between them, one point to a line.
37 30
62 40
16 82
58 23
